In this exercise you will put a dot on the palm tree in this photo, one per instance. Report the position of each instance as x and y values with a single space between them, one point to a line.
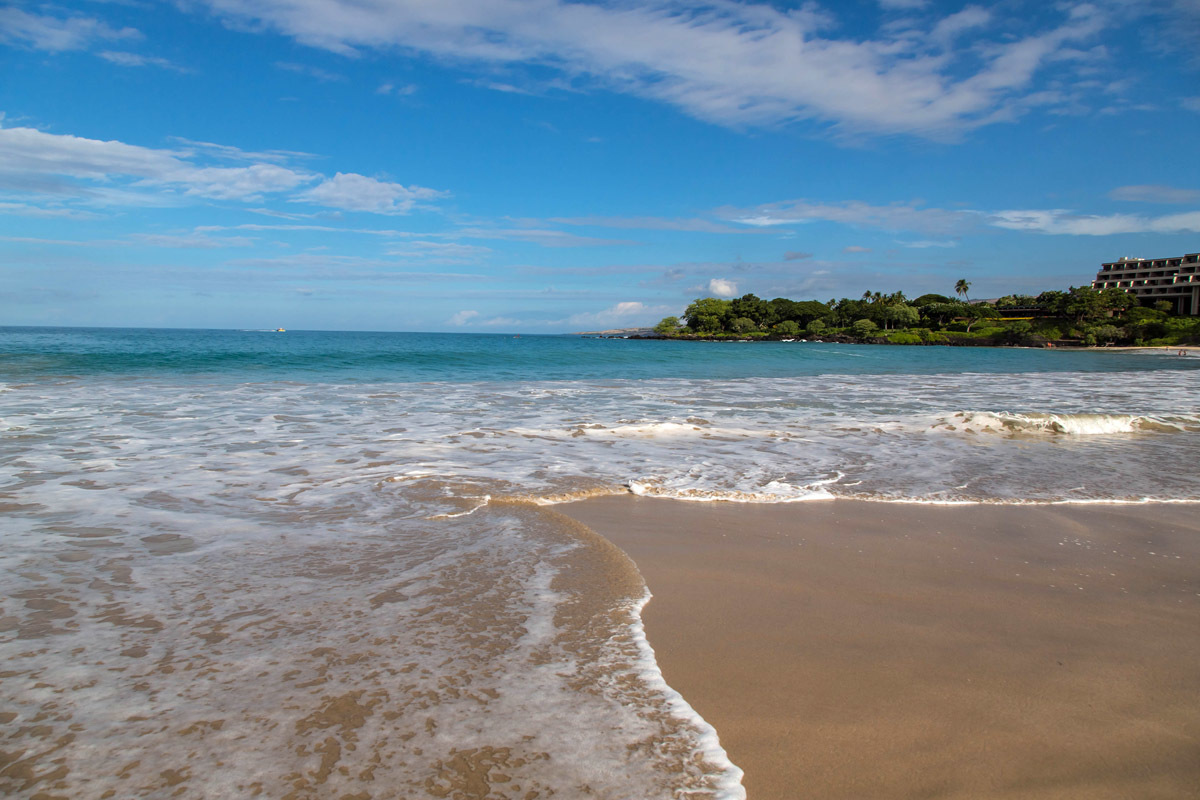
961 288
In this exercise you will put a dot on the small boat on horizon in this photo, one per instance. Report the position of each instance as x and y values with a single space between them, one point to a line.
280 330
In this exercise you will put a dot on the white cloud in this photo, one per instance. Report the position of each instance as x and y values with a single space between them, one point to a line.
1154 194
26 210
115 173
57 34
728 62
32 157
795 255
1191 103
955 25
463 317
895 217
230 153
189 241
439 252
925 244
543 236
30 151
1061 221
397 91
235 183
629 314
504 322
324 76
353 192
125 59
854 248
652 223
722 288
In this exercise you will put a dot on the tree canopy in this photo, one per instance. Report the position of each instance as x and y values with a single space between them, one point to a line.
1080 313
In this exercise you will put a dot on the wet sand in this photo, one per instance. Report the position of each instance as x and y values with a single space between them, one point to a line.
862 650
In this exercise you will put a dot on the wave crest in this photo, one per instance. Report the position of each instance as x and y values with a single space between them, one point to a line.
1068 424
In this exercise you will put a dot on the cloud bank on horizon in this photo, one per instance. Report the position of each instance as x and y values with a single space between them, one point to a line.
543 165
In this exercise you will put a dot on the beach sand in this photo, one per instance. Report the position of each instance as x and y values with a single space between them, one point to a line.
847 649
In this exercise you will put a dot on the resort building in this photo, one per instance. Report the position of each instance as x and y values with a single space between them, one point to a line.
1176 280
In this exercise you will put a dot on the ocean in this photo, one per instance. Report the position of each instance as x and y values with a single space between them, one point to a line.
321 564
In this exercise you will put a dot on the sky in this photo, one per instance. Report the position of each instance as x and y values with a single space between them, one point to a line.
548 166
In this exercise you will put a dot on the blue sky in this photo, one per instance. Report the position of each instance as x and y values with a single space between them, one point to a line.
548 166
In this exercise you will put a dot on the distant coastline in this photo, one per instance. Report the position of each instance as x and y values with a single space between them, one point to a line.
1079 317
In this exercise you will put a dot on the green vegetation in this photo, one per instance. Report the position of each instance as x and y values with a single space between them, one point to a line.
1078 316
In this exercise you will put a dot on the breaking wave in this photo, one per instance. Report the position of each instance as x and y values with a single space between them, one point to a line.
1084 424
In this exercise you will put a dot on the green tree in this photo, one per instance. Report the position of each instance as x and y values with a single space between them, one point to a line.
1017 331
1117 300
961 288
930 299
808 310
864 328
1106 333
743 325
707 315
1053 302
1084 303
784 309
816 328
900 316
760 312
940 313
1016 301
669 326
788 327
979 311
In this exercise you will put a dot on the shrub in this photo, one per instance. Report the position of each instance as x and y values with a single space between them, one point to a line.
904 337
1050 331
933 337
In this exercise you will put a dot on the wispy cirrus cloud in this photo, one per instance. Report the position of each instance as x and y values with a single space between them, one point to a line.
546 237
322 75
1155 193
1066 222
75 165
428 252
893 217
115 173
625 314
353 192
690 225
57 33
126 59
727 62
931 221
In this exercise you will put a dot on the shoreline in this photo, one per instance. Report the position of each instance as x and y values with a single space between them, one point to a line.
852 649
1173 350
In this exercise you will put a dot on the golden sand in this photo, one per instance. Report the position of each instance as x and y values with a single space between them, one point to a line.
867 650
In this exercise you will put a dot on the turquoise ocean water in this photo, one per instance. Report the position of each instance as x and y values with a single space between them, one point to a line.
328 563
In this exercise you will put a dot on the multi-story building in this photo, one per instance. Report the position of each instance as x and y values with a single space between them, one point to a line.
1173 279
